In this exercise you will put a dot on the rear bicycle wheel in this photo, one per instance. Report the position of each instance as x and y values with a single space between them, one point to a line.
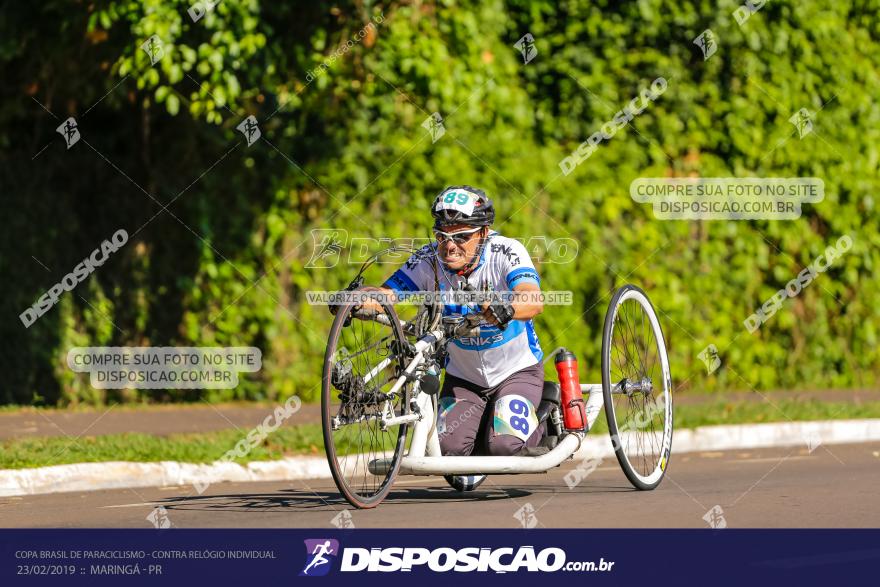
637 387
364 358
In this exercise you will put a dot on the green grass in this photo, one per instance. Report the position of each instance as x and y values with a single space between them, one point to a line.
691 416
757 412
191 448
85 407
307 440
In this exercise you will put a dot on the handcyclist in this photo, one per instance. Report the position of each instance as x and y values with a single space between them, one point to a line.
493 380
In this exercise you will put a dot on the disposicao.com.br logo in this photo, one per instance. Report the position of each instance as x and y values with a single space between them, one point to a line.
442 560
320 553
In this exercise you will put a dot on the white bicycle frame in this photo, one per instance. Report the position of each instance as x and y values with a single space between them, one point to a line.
424 456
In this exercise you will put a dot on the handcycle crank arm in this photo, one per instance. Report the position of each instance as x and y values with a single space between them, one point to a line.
420 346
423 344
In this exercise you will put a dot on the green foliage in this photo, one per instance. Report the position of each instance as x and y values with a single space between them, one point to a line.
340 93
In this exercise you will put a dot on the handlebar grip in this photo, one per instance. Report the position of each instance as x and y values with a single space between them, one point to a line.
465 331
470 326
364 313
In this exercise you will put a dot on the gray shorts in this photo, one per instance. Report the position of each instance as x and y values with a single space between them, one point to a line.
498 421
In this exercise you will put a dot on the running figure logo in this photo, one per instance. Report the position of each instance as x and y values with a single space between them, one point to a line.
319 554
70 131
154 49
526 516
327 246
715 518
526 46
250 130
709 356
802 121
434 125
706 42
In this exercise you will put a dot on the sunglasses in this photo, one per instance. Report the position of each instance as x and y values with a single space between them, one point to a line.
459 238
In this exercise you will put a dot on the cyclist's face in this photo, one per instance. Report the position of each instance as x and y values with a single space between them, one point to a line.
456 255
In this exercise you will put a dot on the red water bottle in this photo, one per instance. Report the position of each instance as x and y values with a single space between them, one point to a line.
574 416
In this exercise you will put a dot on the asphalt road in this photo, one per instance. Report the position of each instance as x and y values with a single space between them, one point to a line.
834 486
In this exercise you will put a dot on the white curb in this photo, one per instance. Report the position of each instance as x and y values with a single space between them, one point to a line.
810 435
118 475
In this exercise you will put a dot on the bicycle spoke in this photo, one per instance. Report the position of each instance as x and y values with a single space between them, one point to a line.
358 439
632 349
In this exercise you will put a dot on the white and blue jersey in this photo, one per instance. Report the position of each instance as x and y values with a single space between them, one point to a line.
487 359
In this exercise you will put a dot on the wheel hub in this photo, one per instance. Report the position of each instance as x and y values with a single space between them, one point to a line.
643 385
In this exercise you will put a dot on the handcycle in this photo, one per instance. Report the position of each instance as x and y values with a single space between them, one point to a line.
380 388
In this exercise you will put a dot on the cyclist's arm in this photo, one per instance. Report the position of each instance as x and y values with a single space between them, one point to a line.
526 303
522 279
405 280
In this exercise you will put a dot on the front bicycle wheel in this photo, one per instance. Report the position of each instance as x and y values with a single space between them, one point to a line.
365 355
637 387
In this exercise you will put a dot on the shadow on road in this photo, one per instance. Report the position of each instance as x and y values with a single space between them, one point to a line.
317 500
307 500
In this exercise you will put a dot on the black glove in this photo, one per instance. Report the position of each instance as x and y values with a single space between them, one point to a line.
334 304
503 312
